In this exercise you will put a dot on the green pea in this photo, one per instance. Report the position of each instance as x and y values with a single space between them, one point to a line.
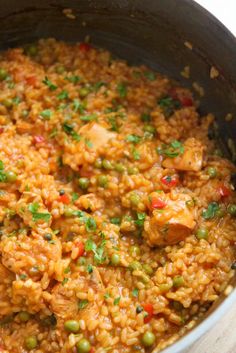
135 265
24 316
148 269
48 236
107 164
134 250
83 92
178 281
149 128
212 172
83 346
83 183
220 213
232 209
144 278
68 212
3 74
202 233
134 198
119 167
31 50
98 163
60 69
133 170
148 339
31 342
115 259
11 176
7 103
72 326
24 113
102 181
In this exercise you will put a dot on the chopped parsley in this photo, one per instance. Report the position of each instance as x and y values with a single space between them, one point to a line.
82 304
133 138
115 220
46 114
112 121
75 196
98 85
211 210
145 117
122 89
90 224
78 106
33 208
174 149
90 117
135 292
140 219
65 280
168 105
106 296
73 79
151 76
90 268
16 100
69 130
3 176
136 154
117 301
88 143
98 250
49 83
63 95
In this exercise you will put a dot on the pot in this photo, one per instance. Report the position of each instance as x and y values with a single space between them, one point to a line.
166 35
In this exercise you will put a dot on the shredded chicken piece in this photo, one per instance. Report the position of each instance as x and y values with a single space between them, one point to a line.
170 224
190 160
96 133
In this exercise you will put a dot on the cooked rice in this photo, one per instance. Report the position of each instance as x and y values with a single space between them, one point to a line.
48 88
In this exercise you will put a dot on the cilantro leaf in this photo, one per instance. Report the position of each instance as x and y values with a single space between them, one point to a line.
122 89
69 130
82 303
46 114
49 83
151 76
117 300
135 292
133 138
63 95
174 149
211 210
140 219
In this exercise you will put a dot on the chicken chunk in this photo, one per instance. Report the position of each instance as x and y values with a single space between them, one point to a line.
76 154
190 160
171 220
90 202
64 301
97 134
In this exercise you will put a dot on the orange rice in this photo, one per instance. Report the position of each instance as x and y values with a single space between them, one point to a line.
116 209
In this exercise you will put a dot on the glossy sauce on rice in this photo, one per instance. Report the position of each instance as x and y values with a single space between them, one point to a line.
117 211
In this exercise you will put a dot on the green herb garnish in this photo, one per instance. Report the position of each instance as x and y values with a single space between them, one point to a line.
211 210
133 138
49 83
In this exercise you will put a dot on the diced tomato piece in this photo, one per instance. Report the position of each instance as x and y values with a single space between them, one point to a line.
31 80
186 101
224 191
169 181
64 199
1 130
85 47
92 350
149 310
157 203
80 247
38 139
